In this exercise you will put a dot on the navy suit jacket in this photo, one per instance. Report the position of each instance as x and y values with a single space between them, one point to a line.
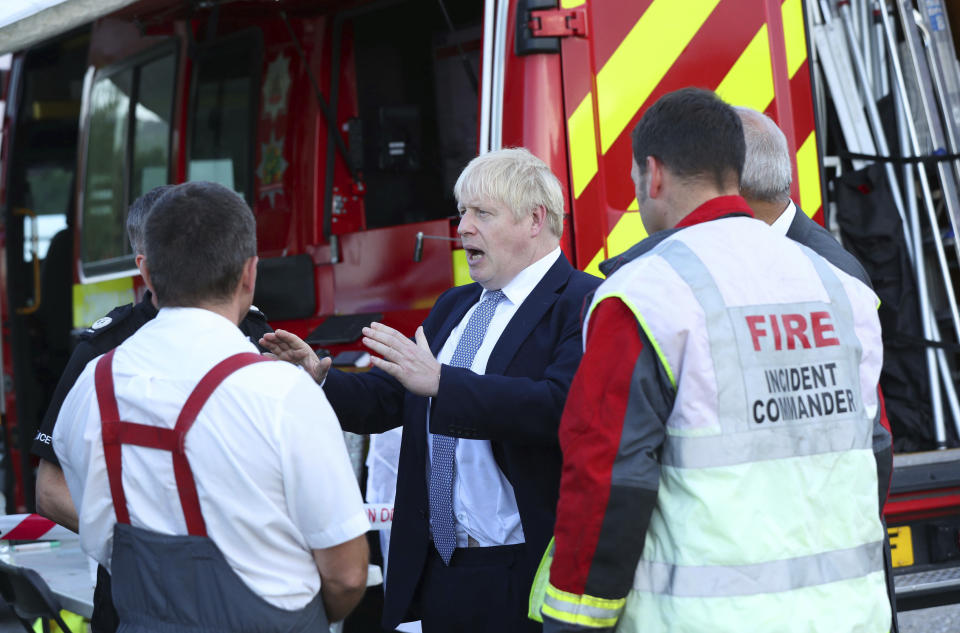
516 405
821 241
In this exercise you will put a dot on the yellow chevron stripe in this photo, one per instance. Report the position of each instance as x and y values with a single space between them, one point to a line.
583 145
627 232
642 59
793 35
808 175
750 81
593 268
569 4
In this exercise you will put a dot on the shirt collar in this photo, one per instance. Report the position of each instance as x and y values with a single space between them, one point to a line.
716 208
528 278
194 319
782 224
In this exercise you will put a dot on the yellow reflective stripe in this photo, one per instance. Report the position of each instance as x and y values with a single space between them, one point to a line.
578 618
656 347
749 82
569 4
614 604
646 330
643 59
808 175
540 581
583 145
795 39
582 610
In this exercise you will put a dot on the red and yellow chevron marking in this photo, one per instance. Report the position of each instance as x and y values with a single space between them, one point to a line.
724 45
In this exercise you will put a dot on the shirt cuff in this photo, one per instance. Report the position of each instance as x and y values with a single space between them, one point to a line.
338 534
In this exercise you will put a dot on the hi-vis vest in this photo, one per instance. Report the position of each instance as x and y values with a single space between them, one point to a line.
767 514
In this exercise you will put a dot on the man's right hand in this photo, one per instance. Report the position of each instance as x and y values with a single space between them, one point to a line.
288 346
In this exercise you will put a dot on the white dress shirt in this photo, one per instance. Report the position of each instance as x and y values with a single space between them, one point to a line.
484 504
782 224
267 455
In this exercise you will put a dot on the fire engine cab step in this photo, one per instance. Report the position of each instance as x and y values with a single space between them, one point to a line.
930 588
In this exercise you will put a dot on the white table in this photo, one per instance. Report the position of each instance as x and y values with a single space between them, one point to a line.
66 570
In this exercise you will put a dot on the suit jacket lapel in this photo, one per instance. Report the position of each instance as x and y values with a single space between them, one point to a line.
453 318
798 227
540 299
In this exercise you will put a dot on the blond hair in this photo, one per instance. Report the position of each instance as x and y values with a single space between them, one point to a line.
515 178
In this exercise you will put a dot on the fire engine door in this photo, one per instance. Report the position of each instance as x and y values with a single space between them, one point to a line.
631 53
41 158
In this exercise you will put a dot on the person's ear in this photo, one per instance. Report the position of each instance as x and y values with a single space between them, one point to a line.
248 280
138 260
539 217
144 267
655 177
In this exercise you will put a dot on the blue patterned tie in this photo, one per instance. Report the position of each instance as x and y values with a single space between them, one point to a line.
444 447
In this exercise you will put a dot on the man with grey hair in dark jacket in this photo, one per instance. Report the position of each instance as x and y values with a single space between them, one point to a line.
765 184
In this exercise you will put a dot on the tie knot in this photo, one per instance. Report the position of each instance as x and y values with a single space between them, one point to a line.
494 297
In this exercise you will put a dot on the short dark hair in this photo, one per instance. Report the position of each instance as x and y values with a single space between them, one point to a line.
198 236
137 214
694 134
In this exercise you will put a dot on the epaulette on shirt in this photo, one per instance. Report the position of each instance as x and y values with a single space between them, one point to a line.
107 323
254 325
255 313
119 324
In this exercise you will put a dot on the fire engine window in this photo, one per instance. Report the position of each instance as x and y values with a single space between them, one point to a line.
104 200
417 108
50 190
151 146
222 113
128 152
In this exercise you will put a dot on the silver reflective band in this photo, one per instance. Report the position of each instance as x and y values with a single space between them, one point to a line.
732 399
761 578
774 443
582 610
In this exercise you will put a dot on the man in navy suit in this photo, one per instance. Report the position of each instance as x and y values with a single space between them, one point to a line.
479 392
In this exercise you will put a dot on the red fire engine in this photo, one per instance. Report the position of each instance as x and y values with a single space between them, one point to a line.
344 125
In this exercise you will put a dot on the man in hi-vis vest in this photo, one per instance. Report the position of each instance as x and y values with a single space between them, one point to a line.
717 439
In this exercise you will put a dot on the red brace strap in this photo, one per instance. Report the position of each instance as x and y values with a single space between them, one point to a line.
116 433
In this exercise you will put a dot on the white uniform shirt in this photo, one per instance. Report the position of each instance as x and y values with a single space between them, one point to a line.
782 224
484 504
266 451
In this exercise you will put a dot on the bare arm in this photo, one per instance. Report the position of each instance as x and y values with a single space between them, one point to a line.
53 496
343 576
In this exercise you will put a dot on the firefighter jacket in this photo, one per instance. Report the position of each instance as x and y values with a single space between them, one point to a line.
718 470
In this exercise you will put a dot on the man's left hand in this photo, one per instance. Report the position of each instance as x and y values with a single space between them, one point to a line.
410 363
